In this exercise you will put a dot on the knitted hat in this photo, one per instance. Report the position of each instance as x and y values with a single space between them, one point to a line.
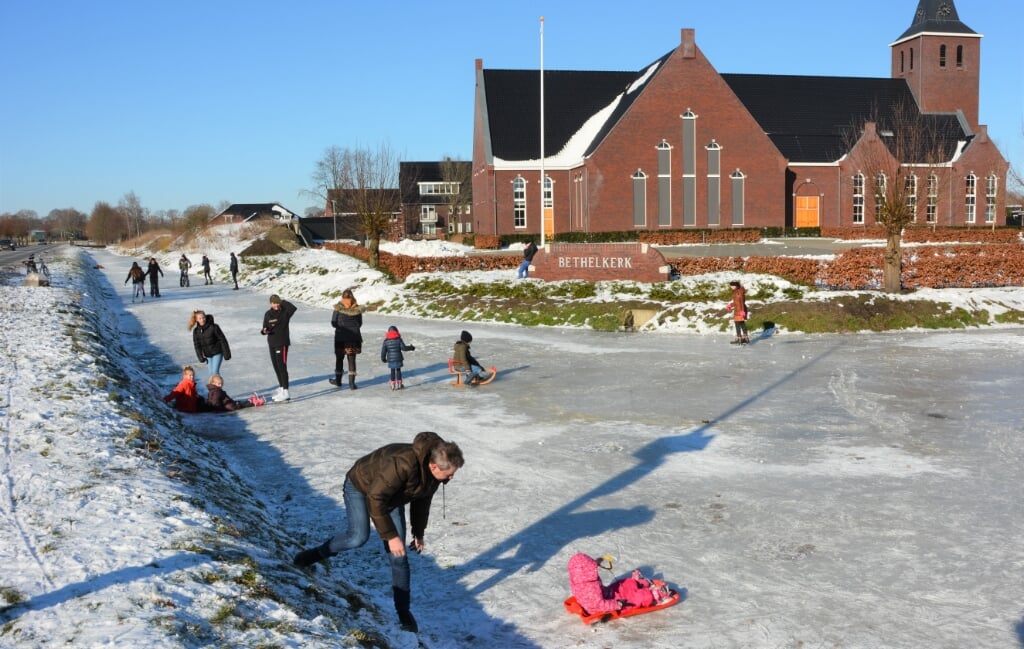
466 337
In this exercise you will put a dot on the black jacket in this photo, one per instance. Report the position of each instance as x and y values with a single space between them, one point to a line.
209 340
275 325
347 324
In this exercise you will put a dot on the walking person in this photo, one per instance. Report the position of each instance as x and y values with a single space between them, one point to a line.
347 321
377 488
391 353
154 282
138 279
206 269
275 328
209 341
184 264
234 270
738 306
529 250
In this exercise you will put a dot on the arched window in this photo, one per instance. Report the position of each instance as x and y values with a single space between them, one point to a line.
971 197
910 194
664 183
689 156
519 202
991 194
639 199
738 182
942 56
858 198
881 187
932 208
911 58
959 56
714 182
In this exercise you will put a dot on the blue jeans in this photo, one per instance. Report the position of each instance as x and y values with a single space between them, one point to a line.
358 533
524 269
213 363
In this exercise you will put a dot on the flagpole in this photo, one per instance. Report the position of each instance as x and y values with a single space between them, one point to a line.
543 216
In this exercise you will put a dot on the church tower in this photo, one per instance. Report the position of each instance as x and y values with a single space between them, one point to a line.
940 58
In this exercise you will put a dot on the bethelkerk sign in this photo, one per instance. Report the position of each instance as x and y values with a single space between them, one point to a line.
599 261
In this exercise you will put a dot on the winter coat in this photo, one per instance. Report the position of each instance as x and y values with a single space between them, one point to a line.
234 264
347 323
209 340
184 263
595 597
396 475
153 269
185 396
391 350
739 304
217 400
275 325
529 251
462 355
206 264
135 274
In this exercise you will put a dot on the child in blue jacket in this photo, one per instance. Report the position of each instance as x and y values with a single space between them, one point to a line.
391 353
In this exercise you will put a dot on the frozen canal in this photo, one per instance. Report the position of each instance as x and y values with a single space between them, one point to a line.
858 491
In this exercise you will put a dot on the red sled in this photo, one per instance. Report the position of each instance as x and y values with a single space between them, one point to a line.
572 606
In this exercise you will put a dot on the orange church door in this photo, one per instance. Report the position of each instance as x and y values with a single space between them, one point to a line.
806 215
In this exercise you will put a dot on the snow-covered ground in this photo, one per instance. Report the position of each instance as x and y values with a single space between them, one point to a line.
849 492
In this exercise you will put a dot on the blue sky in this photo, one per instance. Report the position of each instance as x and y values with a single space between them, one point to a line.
193 102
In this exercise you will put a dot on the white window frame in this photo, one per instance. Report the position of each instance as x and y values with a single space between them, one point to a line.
519 203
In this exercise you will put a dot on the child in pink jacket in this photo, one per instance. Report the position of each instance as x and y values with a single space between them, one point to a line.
595 597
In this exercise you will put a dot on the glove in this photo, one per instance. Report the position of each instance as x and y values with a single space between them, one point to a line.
412 348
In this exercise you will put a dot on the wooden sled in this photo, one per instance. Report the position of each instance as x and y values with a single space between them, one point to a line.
461 373
572 606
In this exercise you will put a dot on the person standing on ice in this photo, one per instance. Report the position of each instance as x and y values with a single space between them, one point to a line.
138 279
347 321
391 353
738 306
377 488
184 264
154 282
275 328
210 343
206 269
234 270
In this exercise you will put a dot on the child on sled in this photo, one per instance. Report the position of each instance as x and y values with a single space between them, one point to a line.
464 360
632 591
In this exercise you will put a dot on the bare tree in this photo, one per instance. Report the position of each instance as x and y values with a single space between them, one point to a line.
362 182
902 155
134 213
197 217
457 174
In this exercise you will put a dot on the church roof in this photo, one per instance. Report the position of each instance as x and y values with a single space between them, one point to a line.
936 17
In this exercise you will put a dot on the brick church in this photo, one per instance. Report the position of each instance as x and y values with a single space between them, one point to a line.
678 145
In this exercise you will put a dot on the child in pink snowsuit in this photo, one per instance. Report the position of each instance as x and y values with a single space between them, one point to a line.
595 597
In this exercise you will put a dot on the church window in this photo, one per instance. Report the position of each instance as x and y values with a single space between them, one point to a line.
689 168
971 197
738 181
858 198
664 183
959 56
942 56
714 182
991 193
639 199
519 202
932 207
910 193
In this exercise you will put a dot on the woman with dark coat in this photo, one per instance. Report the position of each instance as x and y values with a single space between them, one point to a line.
210 343
377 488
347 321
154 282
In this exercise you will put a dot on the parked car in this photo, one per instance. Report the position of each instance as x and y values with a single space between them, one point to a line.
7 244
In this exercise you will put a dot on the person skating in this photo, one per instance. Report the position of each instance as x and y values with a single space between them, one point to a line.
391 353
347 320
206 269
138 279
464 360
154 282
234 270
210 343
275 328
377 488
738 306
184 264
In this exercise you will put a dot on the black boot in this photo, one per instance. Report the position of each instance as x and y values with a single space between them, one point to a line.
405 618
351 380
336 380
308 557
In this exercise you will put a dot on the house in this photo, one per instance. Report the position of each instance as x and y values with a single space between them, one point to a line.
343 208
239 212
678 145
436 197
